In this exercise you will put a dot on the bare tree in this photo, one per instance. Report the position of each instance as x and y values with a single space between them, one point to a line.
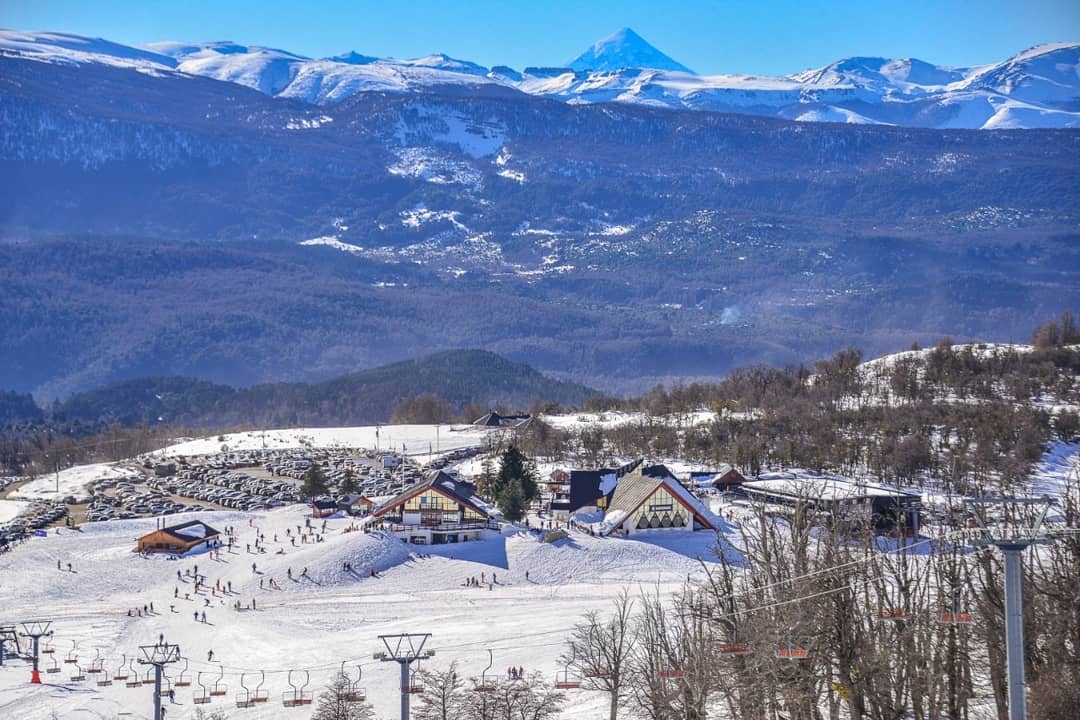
600 650
443 696
334 704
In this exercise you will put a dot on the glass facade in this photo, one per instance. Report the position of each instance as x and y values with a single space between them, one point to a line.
433 508
661 510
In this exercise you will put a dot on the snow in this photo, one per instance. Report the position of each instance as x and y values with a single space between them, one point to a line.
1060 464
416 439
317 622
1035 88
332 242
72 481
624 49
192 531
10 509
797 481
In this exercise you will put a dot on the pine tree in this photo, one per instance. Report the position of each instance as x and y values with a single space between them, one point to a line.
512 500
515 466
314 482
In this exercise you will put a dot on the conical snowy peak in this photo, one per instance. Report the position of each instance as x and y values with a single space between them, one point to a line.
625 49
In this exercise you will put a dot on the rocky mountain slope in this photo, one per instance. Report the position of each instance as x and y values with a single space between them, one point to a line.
157 222
1039 87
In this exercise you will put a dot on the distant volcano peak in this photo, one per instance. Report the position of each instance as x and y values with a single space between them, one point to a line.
625 49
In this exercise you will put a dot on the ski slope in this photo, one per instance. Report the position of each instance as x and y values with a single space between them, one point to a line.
315 623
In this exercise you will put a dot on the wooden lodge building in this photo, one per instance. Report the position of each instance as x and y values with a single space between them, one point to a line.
178 539
650 498
584 490
440 509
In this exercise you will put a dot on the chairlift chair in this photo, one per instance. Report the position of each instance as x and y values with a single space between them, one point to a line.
244 699
55 667
355 693
120 675
260 695
166 686
97 667
892 614
78 675
73 654
671 673
951 618
485 685
219 690
789 650
298 696
203 696
183 679
735 646
597 672
955 615
415 687
48 648
135 680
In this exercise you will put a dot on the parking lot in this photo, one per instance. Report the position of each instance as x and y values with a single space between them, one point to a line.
241 480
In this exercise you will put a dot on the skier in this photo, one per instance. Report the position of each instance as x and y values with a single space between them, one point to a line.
210 656
204 616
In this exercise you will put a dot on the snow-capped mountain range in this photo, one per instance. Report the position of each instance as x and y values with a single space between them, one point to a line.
1037 88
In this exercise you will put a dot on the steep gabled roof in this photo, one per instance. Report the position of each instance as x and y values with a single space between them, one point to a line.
442 483
637 487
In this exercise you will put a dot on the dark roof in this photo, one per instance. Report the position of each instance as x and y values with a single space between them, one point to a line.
494 419
190 531
585 484
324 503
440 481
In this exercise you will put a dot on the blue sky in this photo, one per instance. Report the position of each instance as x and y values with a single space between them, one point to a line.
744 36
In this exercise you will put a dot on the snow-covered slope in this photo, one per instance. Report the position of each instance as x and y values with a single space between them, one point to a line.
1037 88
625 49
311 623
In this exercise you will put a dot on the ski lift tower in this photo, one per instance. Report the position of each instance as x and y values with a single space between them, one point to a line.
159 656
35 630
1012 525
404 649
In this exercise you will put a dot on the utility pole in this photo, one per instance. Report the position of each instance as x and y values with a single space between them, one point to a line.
35 630
404 649
1017 525
159 655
